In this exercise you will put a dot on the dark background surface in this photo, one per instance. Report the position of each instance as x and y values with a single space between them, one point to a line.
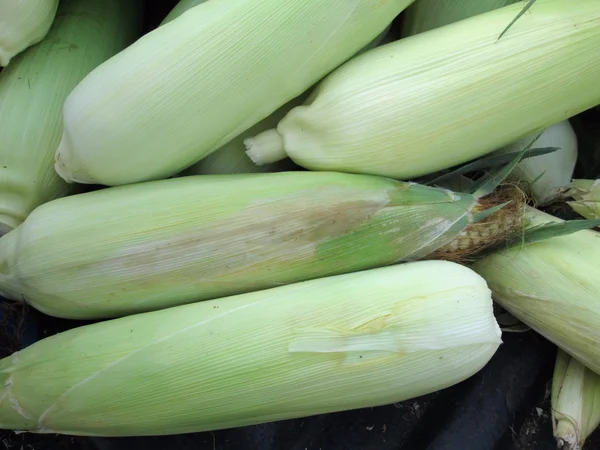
503 407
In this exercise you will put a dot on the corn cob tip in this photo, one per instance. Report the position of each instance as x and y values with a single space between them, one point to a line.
265 148
493 229
65 163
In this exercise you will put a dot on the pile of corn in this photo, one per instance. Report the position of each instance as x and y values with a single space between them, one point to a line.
260 243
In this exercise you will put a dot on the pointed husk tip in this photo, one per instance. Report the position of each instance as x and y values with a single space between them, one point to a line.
490 231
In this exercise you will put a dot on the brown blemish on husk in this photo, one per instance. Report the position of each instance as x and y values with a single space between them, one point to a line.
265 232
490 231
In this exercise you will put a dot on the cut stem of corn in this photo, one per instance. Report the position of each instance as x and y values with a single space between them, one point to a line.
552 286
32 91
586 198
23 23
190 86
425 15
232 158
153 245
352 341
446 96
575 402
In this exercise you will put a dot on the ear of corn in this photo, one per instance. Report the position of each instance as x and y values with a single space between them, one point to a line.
339 343
152 245
585 196
232 158
552 286
575 402
546 176
425 15
185 89
23 23
446 96
32 91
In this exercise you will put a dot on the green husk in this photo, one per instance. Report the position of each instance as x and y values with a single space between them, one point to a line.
375 114
575 402
153 245
353 341
192 85
32 91
232 158
23 23
552 286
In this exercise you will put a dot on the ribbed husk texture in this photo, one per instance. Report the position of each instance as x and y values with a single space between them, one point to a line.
575 402
353 341
152 245
33 89
23 23
446 96
552 286
190 86
232 157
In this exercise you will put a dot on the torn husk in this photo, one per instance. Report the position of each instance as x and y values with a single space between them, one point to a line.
585 195
492 230
575 402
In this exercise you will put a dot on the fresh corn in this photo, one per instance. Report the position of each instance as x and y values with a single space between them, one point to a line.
585 198
352 341
153 245
425 15
552 286
192 85
232 158
546 176
23 23
575 402
32 91
446 96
